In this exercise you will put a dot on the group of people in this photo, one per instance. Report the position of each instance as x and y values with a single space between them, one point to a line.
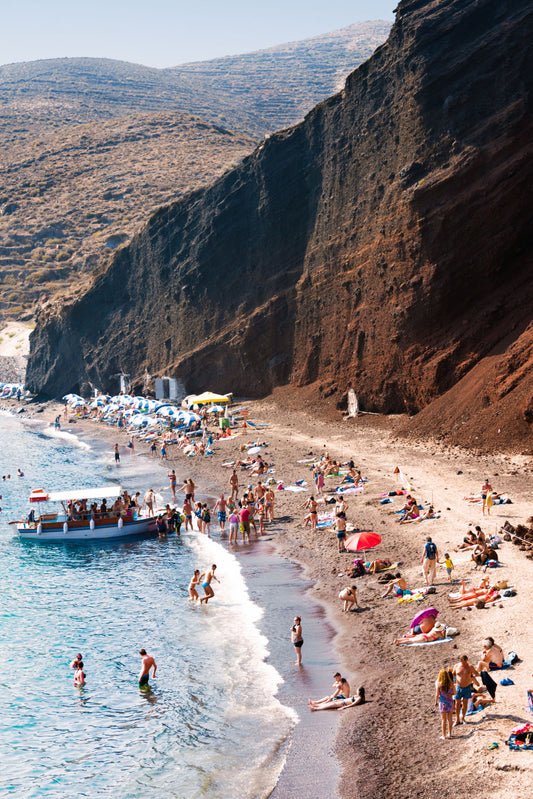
340 698
148 663
465 687
203 579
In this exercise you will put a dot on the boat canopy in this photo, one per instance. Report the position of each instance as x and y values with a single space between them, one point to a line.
76 494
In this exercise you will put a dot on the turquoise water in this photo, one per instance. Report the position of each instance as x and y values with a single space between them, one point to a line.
211 724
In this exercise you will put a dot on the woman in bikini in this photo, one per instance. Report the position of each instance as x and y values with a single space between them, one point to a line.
195 582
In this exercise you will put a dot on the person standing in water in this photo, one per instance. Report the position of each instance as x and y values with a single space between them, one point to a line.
206 585
193 585
147 663
117 454
297 639
79 675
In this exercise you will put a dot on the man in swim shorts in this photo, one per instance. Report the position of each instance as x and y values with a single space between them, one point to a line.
464 674
220 508
206 585
117 455
147 663
341 530
398 587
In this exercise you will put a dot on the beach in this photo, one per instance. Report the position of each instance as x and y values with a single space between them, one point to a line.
389 747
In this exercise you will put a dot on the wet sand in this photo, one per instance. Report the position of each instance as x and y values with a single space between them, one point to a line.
389 747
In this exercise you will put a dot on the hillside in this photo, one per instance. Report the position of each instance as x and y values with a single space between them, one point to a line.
384 243
71 197
90 147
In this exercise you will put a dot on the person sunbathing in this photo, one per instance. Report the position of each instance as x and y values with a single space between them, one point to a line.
482 553
412 514
398 587
341 690
379 566
436 632
492 657
340 704
477 597
469 541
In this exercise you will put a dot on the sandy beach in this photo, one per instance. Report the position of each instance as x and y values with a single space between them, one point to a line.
390 747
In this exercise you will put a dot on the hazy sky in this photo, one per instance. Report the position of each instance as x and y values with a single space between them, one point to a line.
164 33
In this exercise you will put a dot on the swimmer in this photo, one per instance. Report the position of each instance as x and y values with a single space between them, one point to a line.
341 704
20 473
206 585
77 660
147 663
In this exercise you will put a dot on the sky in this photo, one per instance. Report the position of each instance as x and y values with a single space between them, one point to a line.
164 33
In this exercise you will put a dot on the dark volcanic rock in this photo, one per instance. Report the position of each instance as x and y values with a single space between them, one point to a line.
385 242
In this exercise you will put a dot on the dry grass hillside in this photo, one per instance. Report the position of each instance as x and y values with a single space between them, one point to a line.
71 196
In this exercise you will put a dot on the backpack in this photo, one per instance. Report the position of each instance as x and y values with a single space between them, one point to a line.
431 550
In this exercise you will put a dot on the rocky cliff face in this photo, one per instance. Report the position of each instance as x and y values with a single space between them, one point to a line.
384 243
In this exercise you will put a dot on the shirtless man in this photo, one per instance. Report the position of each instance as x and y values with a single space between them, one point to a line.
486 488
234 484
206 585
220 508
188 487
147 663
260 490
399 587
464 674
340 524
187 512
492 657
341 690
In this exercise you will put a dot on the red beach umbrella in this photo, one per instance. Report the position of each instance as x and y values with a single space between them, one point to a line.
362 540
423 614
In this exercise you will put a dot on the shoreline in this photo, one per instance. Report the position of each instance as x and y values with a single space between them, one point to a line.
372 741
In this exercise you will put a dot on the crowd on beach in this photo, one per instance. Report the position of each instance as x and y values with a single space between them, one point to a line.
242 511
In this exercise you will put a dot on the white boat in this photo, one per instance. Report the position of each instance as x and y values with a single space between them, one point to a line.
60 527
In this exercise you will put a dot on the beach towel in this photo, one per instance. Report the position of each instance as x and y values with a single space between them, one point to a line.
521 737
349 490
429 643
307 460
295 489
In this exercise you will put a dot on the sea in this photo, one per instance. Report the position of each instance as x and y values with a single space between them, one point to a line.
212 724
226 715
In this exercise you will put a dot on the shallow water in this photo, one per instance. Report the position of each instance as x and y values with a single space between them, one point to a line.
211 725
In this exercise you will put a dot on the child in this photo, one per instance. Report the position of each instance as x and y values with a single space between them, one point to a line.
449 565
233 526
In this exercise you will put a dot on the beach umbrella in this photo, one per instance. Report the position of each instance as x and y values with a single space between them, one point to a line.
205 398
78 404
216 409
423 615
362 540
71 397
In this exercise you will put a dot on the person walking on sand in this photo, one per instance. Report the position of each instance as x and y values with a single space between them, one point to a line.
206 585
429 560
444 690
297 639
319 479
147 663
187 512
449 565
234 484
193 585
117 455
486 489
464 674
340 525
173 479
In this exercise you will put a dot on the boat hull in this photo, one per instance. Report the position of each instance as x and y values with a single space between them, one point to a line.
55 534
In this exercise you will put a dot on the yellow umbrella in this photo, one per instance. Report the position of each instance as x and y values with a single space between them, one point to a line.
207 396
